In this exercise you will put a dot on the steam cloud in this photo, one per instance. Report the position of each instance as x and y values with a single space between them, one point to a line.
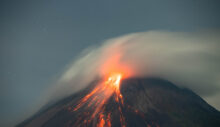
190 60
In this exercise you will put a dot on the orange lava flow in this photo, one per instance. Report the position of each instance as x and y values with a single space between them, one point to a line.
93 105
92 109
99 96
102 121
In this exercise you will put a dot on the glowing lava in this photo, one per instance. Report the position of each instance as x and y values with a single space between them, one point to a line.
92 108
96 100
114 81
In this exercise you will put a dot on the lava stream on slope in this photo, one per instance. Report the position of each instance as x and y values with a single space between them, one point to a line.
94 112
98 97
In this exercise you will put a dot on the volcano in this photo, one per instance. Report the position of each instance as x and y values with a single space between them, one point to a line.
136 102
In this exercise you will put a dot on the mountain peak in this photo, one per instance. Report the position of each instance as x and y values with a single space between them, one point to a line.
151 102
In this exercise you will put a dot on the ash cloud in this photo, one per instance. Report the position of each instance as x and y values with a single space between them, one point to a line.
190 60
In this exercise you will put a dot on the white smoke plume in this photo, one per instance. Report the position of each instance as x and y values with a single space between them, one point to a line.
190 60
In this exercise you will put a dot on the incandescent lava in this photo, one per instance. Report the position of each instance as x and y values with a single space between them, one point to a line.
98 97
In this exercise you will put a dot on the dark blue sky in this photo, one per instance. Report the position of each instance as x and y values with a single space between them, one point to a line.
39 38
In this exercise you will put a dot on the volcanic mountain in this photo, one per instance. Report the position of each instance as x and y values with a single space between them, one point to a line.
138 102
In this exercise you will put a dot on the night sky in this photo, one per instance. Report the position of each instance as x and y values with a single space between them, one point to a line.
40 38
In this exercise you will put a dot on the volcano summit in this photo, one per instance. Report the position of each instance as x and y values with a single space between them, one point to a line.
133 102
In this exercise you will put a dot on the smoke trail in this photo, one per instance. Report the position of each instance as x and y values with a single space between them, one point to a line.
188 59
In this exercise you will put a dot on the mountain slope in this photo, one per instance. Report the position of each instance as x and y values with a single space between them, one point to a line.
150 102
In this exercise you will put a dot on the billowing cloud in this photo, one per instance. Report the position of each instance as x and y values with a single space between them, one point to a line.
190 60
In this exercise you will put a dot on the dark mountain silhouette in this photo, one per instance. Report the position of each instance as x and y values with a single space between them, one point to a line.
148 102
